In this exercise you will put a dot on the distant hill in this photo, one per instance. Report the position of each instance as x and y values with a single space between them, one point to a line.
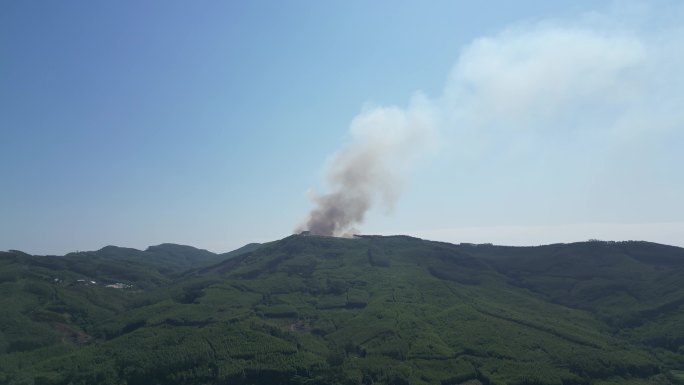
323 310
157 265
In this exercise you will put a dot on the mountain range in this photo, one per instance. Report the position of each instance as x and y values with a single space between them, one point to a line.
366 310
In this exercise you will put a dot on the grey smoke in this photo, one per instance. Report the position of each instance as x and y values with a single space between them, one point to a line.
372 167
602 78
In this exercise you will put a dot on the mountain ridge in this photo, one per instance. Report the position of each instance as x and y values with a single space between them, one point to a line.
371 309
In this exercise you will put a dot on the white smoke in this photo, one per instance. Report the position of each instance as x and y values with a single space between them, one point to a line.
372 167
614 77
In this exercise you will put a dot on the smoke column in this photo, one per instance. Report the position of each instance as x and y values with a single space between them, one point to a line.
605 79
372 167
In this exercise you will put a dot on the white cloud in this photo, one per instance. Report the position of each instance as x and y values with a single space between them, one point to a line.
531 75
592 105
595 75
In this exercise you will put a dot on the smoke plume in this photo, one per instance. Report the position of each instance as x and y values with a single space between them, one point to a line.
603 85
372 167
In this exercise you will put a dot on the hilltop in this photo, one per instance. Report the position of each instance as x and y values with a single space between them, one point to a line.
323 310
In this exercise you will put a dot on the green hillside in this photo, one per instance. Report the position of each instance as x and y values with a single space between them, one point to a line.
369 310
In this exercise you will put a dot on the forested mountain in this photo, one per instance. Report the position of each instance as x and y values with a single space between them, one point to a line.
368 310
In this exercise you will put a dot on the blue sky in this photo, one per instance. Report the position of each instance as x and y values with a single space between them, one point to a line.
210 124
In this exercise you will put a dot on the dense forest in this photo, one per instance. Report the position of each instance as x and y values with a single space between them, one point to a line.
368 310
